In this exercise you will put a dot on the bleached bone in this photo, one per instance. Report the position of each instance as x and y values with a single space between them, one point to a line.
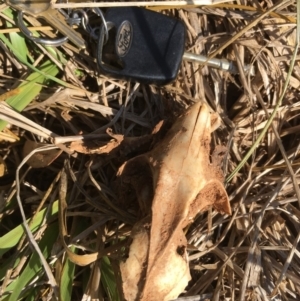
177 181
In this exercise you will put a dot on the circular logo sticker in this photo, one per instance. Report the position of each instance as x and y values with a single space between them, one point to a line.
124 38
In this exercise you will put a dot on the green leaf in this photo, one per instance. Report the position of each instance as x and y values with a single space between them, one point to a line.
32 296
66 280
11 239
18 42
33 266
108 279
68 271
30 89
19 57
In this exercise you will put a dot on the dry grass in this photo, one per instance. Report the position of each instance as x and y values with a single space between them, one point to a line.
251 255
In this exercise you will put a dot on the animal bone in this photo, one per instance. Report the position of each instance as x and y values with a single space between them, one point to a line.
177 181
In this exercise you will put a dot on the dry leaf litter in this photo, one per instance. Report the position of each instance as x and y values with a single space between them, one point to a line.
109 139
